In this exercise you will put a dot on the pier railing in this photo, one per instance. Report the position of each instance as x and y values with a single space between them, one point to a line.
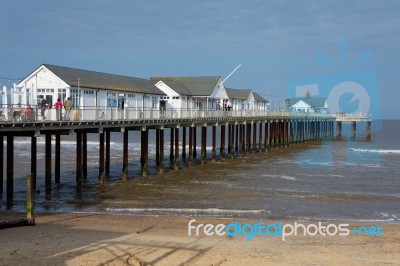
20 114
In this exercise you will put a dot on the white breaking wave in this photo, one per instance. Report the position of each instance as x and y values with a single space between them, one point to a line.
375 151
209 211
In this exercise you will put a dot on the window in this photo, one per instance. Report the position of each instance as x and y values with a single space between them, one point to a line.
175 98
74 98
88 92
154 102
131 95
111 94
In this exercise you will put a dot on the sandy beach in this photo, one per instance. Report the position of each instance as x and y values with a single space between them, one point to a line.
100 239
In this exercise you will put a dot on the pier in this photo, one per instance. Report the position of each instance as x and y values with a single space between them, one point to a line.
240 132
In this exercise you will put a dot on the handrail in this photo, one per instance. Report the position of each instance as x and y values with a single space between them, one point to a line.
18 114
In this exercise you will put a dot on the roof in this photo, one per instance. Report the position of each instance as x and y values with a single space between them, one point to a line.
98 80
242 94
178 87
196 86
313 102
258 97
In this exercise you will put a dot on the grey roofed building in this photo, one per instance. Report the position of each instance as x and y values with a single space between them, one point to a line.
312 102
98 80
178 87
196 86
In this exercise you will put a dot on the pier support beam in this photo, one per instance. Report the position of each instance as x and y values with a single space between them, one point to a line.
368 133
157 147
171 145
1 164
108 139
79 162
176 159
125 155
184 143
237 138
353 130
260 146
194 142
254 137
84 155
190 146
222 144
144 136
57 167
161 163
240 150
33 160
339 130
10 171
229 140
266 144
203 144
48 165
101 159
232 141
214 144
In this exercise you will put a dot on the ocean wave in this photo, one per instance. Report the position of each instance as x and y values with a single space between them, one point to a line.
375 151
185 211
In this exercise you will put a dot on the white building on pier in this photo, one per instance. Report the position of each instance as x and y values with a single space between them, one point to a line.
110 96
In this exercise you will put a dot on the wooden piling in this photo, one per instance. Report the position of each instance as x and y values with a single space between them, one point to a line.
161 163
176 159
79 161
33 161
229 140
171 145
10 171
266 144
368 131
338 130
101 159
194 143
1 164
190 146
260 146
107 160
184 143
254 137
57 158
353 130
125 155
144 151
203 144
237 138
232 141
157 147
30 201
222 144
240 140
84 155
48 165
214 144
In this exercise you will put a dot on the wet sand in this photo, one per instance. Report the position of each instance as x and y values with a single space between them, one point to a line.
93 239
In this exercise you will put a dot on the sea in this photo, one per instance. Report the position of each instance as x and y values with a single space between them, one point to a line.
318 181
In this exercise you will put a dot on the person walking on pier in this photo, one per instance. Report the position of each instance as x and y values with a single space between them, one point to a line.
58 105
43 107
68 107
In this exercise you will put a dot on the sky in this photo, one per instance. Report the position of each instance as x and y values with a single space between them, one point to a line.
281 44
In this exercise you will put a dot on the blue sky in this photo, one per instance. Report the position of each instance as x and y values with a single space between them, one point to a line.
277 41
